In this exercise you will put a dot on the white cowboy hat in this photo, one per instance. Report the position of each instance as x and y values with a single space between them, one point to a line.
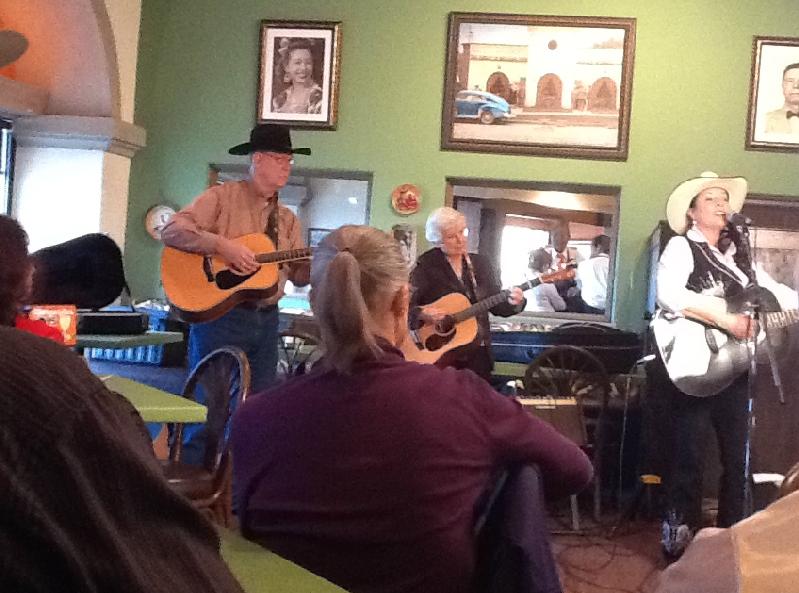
12 46
680 198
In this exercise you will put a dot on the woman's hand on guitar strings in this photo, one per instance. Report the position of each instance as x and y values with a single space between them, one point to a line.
739 325
515 296
239 257
432 314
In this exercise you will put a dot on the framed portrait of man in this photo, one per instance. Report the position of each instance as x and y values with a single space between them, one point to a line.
773 118
299 73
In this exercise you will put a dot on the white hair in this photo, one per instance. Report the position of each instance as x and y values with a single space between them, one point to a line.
440 219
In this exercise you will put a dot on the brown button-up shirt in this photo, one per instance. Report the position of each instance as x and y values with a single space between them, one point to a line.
232 210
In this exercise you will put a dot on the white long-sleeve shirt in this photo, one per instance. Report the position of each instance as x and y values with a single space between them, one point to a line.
677 262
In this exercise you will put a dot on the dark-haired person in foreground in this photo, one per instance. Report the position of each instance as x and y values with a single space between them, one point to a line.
368 469
84 506
16 272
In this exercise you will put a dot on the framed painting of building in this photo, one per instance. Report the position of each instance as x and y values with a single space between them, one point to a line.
540 85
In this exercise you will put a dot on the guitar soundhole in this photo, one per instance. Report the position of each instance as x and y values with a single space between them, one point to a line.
445 331
227 279
445 325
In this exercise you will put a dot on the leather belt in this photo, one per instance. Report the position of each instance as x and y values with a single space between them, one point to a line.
256 306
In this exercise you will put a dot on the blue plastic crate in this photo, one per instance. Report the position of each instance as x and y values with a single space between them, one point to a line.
142 354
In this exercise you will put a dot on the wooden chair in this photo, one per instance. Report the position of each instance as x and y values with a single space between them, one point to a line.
568 387
224 378
297 353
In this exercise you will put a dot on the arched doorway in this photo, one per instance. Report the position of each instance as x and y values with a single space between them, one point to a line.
549 93
499 84
602 95
72 55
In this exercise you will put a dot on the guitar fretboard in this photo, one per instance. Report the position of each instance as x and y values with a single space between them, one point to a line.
492 301
782 318
283 256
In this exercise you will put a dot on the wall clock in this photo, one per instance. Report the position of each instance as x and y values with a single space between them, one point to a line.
156 218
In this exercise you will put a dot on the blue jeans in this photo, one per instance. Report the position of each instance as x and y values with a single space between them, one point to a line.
255 332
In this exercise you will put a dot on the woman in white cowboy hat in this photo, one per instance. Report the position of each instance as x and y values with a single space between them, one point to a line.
700 268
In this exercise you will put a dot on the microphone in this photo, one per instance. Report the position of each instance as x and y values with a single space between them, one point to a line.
738 219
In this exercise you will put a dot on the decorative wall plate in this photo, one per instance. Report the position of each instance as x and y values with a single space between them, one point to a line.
406 199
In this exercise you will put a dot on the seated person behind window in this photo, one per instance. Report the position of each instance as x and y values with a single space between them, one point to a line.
367 470
545 295
85 506
16 274
592 276
564 256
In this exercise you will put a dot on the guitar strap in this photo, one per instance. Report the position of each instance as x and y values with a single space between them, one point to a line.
470 284
272 225
469 281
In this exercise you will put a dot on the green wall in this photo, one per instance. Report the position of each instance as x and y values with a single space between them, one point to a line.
196 97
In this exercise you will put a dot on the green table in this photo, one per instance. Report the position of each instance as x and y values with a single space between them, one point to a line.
260 571
155 405
148 338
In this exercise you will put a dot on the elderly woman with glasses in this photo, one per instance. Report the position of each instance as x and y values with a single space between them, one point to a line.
449 268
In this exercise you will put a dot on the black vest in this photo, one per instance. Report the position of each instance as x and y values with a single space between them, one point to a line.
709 272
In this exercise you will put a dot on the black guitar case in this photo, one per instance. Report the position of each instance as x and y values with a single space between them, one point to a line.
86 271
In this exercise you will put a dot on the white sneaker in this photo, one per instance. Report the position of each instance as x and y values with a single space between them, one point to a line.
675 537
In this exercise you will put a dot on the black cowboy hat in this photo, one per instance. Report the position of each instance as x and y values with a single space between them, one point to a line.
269 138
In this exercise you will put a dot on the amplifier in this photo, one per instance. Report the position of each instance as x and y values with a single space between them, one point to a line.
563 413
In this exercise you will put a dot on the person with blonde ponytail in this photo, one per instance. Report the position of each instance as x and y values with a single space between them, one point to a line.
367 469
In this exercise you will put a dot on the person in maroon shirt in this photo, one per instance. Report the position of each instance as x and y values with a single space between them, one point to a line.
368 470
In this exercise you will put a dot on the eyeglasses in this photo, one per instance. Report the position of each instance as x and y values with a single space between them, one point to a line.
451 236
279 157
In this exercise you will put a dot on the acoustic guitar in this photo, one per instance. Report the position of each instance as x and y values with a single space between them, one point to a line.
458 327
203 288
702 359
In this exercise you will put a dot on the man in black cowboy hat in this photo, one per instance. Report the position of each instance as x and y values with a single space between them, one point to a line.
231 210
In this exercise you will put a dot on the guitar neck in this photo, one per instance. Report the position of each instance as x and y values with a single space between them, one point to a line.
489 302
782 318
283 256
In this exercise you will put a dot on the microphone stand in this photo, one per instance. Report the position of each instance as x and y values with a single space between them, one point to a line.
744 244
743 232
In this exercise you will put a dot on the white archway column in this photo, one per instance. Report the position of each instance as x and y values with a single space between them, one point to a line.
71 176
74 138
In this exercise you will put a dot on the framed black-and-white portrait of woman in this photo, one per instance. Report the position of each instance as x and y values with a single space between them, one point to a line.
299 73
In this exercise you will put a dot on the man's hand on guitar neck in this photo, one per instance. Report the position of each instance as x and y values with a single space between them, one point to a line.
239 257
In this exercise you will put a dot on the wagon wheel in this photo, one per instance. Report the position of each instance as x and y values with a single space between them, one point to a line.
573 372
568 371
